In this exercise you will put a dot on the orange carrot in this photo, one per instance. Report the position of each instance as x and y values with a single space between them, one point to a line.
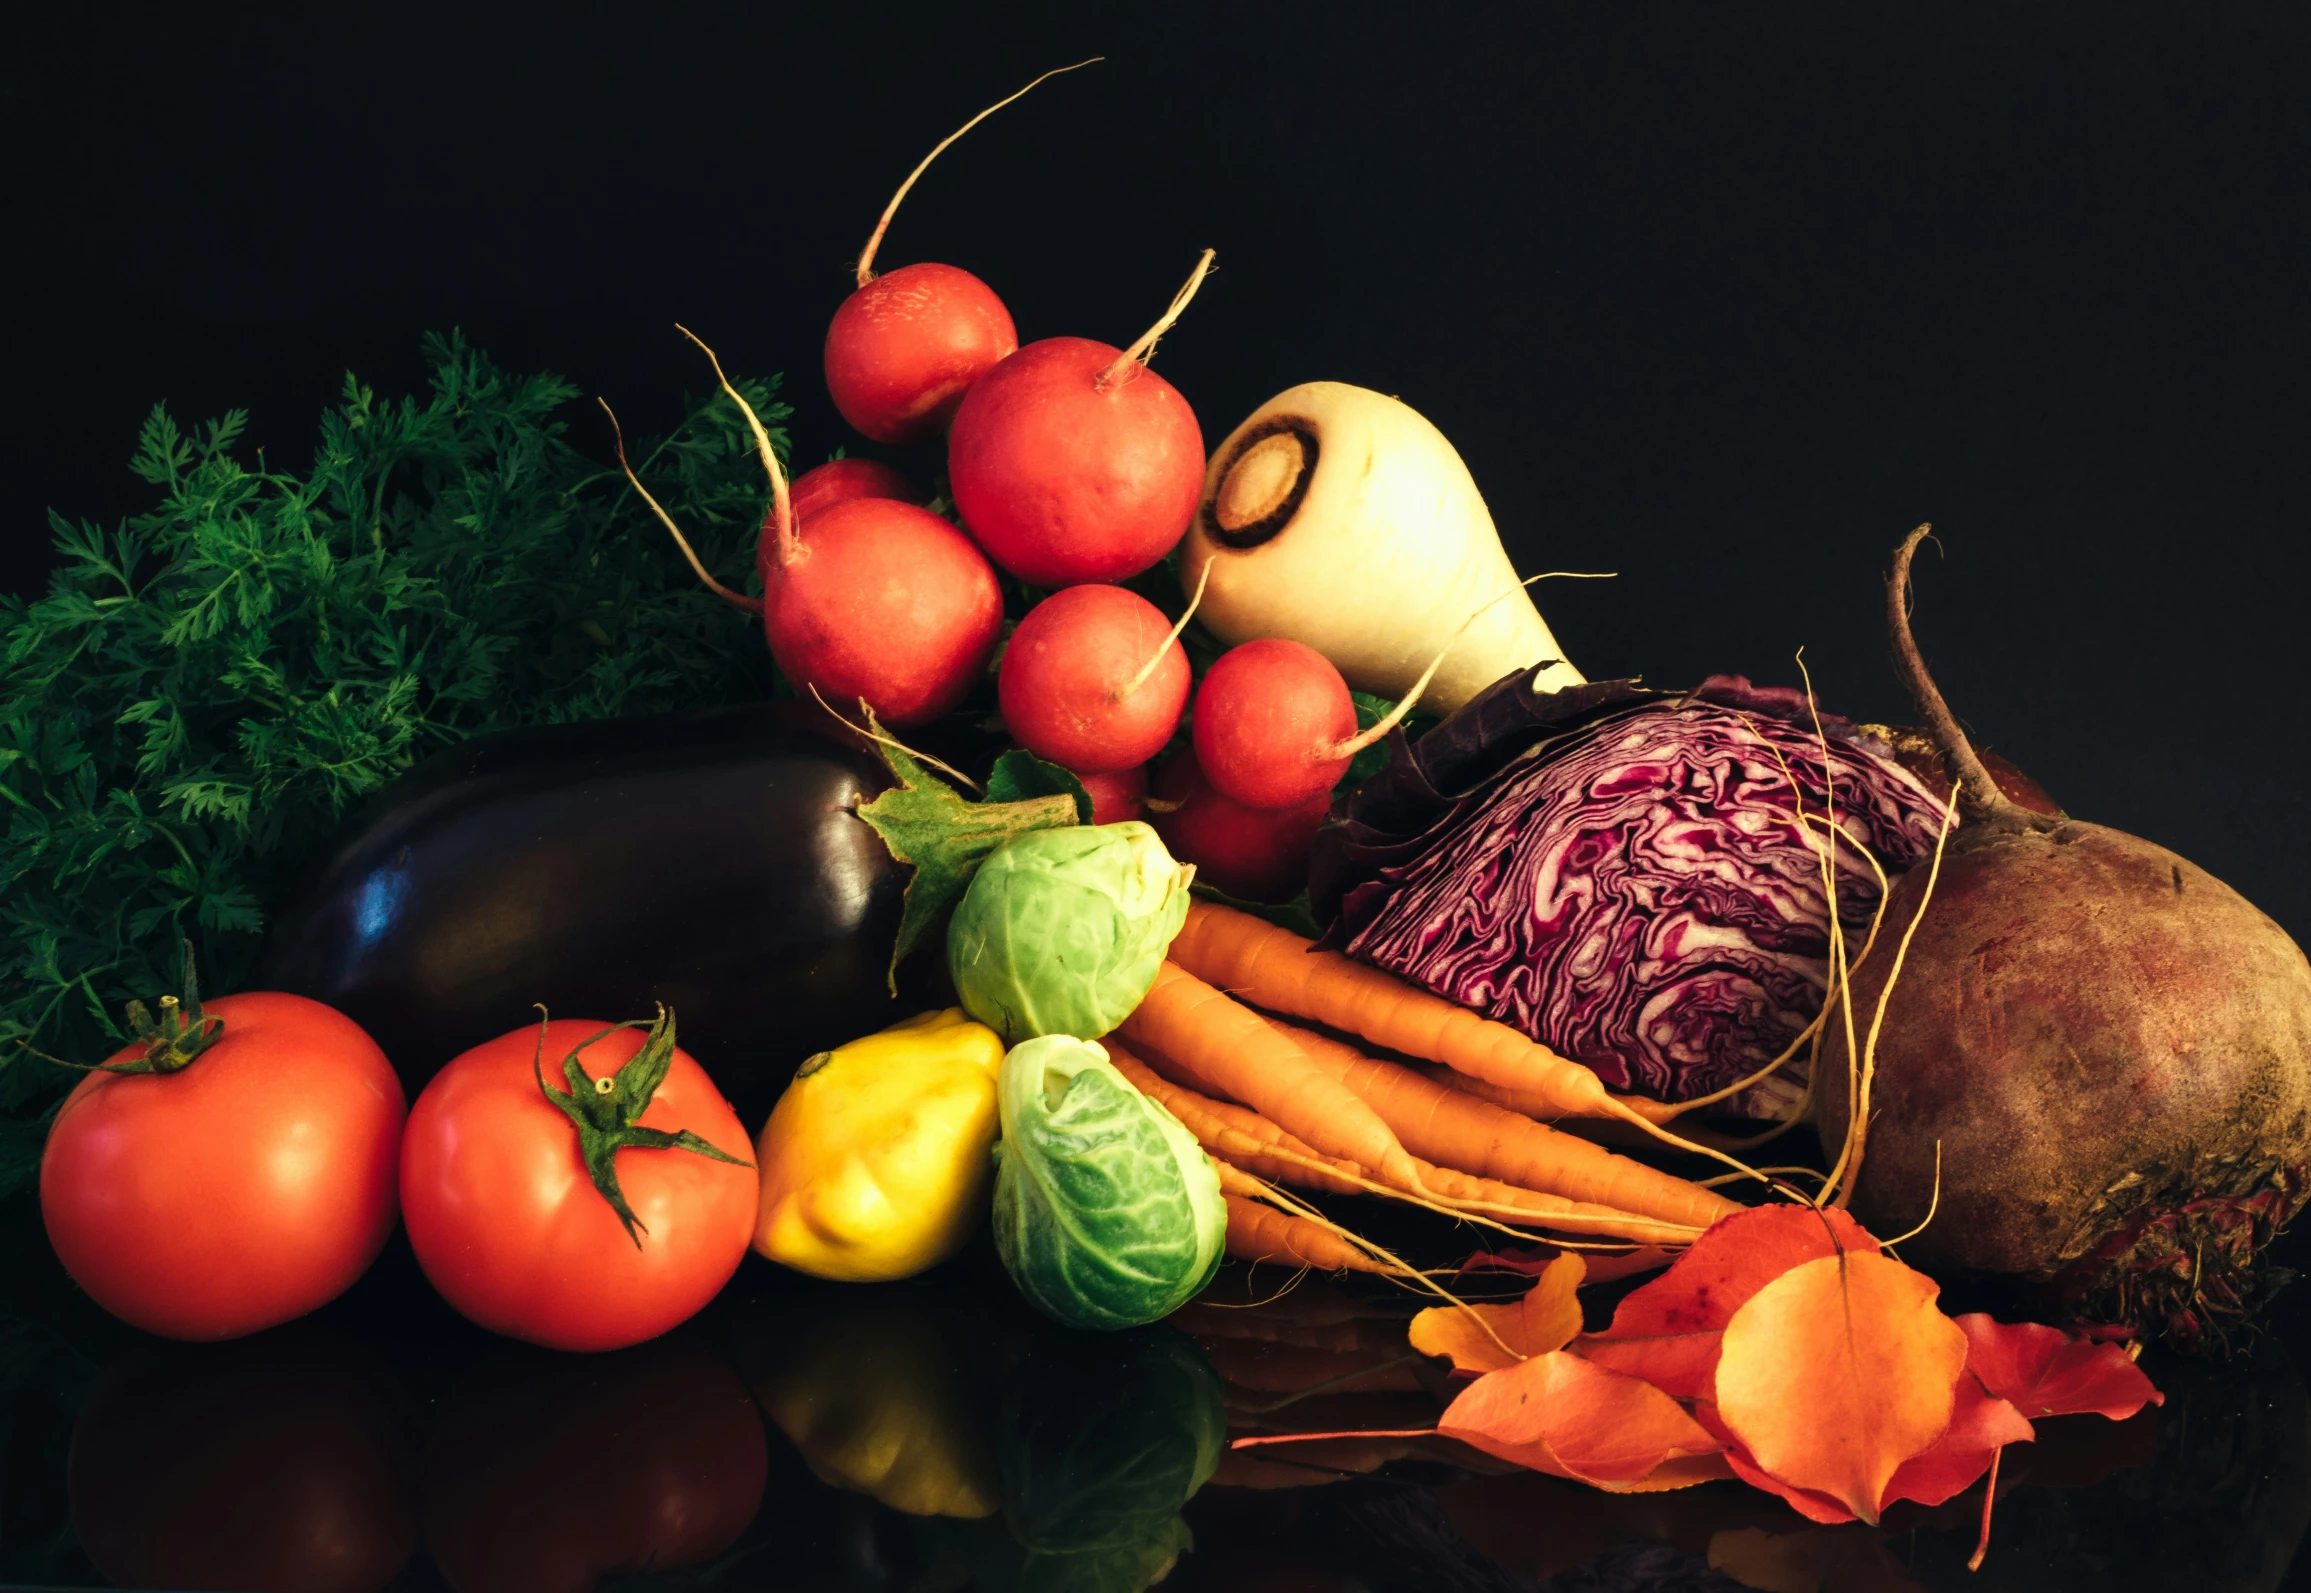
1261 1233
1242 1057
1276 969
1242 1139
1628 1129
1444 1125
1522 1102
1238 1135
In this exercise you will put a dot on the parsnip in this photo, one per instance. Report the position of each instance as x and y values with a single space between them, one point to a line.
1339 517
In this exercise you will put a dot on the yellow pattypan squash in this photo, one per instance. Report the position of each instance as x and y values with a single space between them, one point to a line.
875 1162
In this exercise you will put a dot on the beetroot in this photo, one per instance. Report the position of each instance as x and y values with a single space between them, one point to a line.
2111 1048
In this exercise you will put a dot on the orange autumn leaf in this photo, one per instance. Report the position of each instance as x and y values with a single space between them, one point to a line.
1492 1338
1681 1365
1678 1471
1836 1372
1560 1414
1735 1258
1605 1266
1667 1331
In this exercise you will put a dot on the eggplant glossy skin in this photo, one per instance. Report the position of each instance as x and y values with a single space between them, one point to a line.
711 862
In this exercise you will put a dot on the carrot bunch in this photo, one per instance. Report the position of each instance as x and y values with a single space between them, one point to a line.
1282 1107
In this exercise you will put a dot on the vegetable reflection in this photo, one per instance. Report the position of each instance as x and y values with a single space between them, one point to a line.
1103 1439
871 1387
274 1464
546 1473
1003 1456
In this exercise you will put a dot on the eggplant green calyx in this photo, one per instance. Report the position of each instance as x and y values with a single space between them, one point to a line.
929 827
607 1111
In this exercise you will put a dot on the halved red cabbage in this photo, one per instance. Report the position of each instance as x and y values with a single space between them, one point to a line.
1620 873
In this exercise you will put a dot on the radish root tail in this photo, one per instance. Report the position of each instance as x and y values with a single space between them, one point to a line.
1396 715
874 732
737 600
781 508
1157 657
1144 350
866 267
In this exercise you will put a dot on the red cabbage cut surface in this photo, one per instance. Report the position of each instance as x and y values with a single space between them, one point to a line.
1619 874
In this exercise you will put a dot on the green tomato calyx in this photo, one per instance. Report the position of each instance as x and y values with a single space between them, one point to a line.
607 1111
173 1040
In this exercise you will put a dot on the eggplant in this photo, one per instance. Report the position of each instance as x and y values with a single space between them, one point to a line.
709 861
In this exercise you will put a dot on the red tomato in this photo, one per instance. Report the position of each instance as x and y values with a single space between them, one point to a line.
278 1465
543 1476
508 1226
243 1190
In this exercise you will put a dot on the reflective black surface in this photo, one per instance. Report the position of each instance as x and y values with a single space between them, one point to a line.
938 1436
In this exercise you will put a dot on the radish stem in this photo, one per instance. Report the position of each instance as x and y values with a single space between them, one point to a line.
866 270
875 732
781 508
1405 704
1157 657
738 600
1144 350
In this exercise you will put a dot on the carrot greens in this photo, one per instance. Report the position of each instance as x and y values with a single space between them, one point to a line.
208 687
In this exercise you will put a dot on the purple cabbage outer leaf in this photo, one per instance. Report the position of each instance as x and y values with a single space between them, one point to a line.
1618 872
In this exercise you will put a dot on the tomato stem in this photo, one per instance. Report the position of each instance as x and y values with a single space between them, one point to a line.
607 1111
171 1043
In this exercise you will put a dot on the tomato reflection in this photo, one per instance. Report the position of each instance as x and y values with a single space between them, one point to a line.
275 1464
546 1473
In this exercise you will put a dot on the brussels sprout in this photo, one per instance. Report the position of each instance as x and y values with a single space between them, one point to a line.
1062 931
1107 1212
1101 1441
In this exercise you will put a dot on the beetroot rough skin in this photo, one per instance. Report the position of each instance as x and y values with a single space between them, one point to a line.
2097 1033
2110 1046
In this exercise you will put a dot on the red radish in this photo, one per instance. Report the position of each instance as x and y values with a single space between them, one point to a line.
1274 724
1118 796
873 599
882 600
1094 679
903 348
841 479
1253 855
1072 461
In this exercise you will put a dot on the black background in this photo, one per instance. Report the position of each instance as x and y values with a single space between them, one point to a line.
1723 298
